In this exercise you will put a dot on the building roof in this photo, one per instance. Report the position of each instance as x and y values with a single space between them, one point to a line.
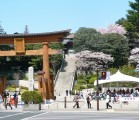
70 36
66 32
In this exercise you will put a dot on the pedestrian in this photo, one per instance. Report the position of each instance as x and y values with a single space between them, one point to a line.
108 100
4 97
81 93
8 100
66 92
89 99
76 100
15 99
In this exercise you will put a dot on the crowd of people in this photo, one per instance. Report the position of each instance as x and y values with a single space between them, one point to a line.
9 100
109 96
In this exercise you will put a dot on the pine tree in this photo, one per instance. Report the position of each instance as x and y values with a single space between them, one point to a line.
133 17
131 23
26 30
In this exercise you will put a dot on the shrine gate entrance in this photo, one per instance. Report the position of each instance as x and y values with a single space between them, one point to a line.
19 41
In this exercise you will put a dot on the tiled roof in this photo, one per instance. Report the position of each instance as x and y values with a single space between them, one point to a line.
70 36
66 32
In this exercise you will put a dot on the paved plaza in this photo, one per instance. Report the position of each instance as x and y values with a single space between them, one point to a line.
60 105
56 110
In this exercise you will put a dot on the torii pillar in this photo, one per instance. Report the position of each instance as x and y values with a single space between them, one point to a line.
46 69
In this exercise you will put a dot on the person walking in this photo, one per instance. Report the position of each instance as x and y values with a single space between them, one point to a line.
15 99
89 99
66 92
76 100
8 100
108 99
5 94
81 93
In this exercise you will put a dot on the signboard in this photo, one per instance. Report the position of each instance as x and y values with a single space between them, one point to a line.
108 75
19 45
31 78
30 86
129 98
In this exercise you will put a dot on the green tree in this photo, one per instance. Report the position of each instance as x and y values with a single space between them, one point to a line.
117 46
131 23
133 17
86 39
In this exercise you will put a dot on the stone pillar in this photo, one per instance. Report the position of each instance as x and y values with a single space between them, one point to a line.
46 68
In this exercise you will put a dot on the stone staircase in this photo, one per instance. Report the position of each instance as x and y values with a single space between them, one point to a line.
65 78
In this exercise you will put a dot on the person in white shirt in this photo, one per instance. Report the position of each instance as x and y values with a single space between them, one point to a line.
108 99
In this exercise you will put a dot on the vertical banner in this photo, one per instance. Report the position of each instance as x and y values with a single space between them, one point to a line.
108 75
30 79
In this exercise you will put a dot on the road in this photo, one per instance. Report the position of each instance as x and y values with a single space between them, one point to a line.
76 115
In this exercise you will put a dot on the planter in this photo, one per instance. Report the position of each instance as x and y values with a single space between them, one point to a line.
31 107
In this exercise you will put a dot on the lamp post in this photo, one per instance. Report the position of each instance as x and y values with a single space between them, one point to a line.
97 91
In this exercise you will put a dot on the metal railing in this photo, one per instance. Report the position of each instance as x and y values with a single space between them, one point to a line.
73 79
58 72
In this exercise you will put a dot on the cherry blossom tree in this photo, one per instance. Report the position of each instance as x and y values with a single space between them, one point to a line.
134 57
88 61
113 29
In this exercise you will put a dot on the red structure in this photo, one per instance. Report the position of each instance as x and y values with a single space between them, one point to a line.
19 41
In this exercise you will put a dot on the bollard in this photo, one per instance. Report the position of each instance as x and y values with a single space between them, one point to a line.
39 106
65 102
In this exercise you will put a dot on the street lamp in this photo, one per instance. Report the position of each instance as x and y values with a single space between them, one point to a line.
97 90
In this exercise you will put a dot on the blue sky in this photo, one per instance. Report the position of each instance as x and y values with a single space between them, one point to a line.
55 15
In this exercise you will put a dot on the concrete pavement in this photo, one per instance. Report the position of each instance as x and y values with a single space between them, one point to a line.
59 105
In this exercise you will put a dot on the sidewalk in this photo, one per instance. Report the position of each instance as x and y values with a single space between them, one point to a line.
59 105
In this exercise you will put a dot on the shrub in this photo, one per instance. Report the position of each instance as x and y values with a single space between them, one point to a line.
81 81
82 87
31 97
81 76
88 76
22 87
90 86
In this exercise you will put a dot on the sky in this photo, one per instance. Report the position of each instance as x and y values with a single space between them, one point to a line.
56 15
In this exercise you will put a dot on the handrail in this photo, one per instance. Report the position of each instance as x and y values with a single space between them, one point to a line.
58 72
56 77
73 79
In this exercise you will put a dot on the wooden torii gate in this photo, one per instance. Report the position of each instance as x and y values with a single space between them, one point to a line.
19 41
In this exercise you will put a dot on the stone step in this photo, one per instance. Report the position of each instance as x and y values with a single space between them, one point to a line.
64 80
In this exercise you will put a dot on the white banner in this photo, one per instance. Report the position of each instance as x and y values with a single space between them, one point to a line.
129 98
30 74
31 78
108 75
30 86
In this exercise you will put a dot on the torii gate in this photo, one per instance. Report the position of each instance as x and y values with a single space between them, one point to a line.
19 41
